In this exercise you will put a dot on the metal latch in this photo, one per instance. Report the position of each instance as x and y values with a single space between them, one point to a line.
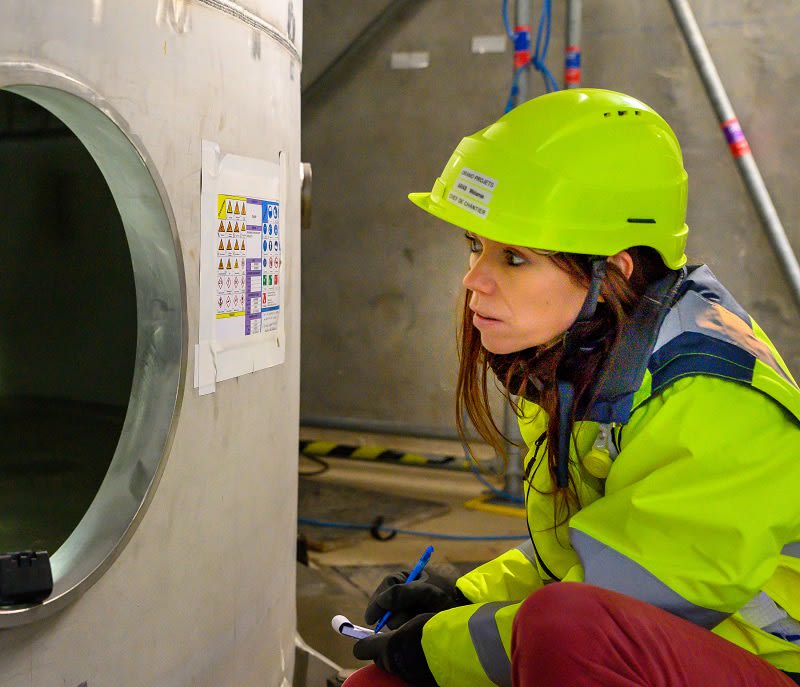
25 577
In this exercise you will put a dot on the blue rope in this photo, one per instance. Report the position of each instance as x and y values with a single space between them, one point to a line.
540 52
539 56
509 32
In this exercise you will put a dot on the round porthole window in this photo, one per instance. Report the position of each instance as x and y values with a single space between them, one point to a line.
93 342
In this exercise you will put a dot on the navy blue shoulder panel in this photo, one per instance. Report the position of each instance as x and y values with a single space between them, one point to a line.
679 329
692 353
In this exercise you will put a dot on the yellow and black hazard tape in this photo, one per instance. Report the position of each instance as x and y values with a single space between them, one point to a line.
330 449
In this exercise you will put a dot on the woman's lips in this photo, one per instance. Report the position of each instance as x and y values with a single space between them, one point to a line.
483 320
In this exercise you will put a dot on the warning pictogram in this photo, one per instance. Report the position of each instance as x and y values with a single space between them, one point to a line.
245 284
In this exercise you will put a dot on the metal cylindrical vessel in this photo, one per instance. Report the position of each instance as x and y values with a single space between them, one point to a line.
181 570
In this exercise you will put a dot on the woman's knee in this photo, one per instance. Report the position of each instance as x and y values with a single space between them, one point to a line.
561 607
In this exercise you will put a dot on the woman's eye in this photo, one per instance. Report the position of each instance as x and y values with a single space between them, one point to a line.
474 244
514 259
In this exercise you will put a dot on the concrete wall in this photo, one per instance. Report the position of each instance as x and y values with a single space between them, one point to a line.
381 279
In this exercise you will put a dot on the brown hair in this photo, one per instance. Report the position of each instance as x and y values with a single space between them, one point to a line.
531 373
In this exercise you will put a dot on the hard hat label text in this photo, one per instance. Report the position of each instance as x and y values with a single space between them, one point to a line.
467 204
472 191
468 174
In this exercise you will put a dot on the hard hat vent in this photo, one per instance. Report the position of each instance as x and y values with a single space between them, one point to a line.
622 113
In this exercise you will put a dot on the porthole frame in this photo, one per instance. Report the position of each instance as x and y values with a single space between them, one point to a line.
162 332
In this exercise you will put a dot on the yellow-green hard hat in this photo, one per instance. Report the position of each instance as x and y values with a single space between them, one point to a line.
580 171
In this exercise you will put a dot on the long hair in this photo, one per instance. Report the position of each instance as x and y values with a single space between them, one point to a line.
531 373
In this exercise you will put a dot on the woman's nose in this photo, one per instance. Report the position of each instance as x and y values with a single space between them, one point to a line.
478 277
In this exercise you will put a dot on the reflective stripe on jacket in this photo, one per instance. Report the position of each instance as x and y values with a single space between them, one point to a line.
698 513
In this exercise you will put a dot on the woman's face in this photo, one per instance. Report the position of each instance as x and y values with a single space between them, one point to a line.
519 298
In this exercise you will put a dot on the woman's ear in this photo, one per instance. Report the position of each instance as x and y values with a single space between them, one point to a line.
623 262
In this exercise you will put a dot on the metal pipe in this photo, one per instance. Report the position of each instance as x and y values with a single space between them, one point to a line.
572 45
522 21
738 143
514 473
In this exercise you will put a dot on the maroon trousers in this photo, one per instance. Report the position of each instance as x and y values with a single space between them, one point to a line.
583 636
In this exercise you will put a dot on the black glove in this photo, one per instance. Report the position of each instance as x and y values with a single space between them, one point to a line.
431 592
399 652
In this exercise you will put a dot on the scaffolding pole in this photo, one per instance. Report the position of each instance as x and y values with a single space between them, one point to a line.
522 32
737 143
572 44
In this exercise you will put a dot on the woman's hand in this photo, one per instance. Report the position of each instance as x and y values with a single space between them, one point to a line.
430 593
399 652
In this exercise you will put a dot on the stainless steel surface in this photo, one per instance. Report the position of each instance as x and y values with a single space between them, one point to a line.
203 592
745 162
161 348
244 15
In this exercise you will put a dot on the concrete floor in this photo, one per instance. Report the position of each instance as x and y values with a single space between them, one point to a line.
340 581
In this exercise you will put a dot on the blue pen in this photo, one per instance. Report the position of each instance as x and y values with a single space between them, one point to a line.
413 575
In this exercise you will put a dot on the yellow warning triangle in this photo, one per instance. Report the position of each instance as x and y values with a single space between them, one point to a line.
228 266
220 266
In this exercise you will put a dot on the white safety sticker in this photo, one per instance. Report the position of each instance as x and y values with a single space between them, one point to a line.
467 204
476 192
473 191
468 174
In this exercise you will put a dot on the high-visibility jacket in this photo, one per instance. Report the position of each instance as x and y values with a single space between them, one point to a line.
698 513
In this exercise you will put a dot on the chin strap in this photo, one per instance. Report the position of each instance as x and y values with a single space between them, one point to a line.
565 387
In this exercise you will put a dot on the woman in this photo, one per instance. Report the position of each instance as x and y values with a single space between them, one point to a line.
662 425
